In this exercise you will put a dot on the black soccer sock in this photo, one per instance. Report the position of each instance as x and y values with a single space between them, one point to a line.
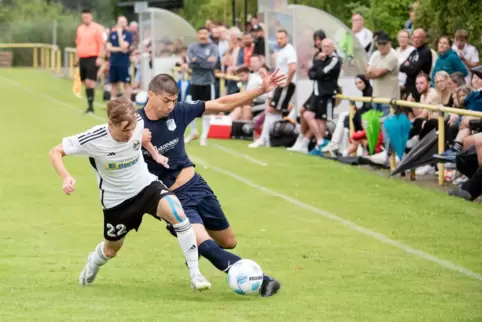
458 146
89 93
220 258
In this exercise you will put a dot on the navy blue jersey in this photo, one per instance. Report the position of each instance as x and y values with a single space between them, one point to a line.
168 139
119 58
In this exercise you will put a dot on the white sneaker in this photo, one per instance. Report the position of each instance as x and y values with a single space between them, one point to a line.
379 158
300 149
258 143
88 274
425 170
330 148
203 141
191 137
200 283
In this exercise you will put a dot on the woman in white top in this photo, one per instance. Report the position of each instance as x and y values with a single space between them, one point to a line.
402 53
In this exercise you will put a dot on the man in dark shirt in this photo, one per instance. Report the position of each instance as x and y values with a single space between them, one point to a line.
259 44
167 121
420 60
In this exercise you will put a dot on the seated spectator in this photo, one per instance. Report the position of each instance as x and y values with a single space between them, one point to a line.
472 188
342 129
472 102
447 60
456 80
467 53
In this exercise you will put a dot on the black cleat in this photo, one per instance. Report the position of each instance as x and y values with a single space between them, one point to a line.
269 287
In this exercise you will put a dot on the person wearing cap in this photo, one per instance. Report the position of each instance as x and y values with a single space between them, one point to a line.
384 71
259 44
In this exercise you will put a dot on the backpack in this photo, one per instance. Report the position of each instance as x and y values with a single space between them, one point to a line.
283 133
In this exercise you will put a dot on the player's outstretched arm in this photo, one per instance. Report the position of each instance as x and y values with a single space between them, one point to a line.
57 158
229 102
146 143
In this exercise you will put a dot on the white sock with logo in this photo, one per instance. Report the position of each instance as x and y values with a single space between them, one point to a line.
187 241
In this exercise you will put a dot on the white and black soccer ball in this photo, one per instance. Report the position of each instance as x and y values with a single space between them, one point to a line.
141 98
245 277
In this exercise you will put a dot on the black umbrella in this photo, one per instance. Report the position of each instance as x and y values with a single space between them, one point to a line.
420 155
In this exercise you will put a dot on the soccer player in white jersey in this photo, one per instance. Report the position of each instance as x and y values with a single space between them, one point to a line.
127 189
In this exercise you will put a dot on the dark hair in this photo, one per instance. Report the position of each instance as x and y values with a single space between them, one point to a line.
120 110
202 28
446 37
265 67
458 78
86 11
242 69
422 74
283 31
163 83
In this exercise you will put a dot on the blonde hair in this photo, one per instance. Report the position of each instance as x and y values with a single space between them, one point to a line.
442 97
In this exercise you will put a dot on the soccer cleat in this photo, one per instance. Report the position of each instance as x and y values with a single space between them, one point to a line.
200 283
88 274
171 230
316 151
191 137
269 287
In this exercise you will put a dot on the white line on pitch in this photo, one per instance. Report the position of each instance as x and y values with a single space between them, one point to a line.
347 223
239 154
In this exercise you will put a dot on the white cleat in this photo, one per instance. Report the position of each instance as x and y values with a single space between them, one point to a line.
299 149
190 137
257 144
88 274
203 141
200 283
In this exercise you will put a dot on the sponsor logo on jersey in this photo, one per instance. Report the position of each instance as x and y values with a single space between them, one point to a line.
171 124
168 146
136 145
122 164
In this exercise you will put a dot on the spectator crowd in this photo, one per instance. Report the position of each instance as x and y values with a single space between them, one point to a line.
447 75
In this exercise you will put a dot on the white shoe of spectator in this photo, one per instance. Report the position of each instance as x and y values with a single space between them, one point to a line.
413 142
331 147
426 170
257 144
379 158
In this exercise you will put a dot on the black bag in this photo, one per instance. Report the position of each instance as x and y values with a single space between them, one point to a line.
283 133
242 130
467 162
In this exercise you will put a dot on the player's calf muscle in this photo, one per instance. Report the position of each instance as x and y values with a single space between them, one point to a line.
171 210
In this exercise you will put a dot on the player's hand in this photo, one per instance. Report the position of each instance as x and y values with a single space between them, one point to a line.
162 160
146 136
272 80
68 185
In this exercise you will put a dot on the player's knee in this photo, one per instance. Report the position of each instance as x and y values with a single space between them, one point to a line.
227 242
171 210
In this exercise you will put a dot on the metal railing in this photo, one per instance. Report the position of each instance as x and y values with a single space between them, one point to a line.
43 55
440 110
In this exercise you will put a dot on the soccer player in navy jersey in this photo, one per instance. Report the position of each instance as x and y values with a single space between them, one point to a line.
166 120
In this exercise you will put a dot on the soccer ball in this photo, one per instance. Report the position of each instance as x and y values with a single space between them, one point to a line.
245 277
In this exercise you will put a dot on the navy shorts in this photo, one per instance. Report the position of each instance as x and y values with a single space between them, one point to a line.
119 74
201 205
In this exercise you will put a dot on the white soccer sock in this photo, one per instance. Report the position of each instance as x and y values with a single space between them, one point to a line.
99 257
338 133
187 241
193 127
206 124
269 120
305 142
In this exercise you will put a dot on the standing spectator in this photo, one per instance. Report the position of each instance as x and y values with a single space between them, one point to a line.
468 53
134 29
88 55
411 19
402 53
325 72
259 43
120 41
202 58
384 72
419 60
447 60
286 61
247 51
364 35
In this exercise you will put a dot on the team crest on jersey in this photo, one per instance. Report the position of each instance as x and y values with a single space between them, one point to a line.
207 51
171 124
136 145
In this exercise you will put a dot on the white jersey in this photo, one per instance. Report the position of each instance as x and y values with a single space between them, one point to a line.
119 166
284 58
